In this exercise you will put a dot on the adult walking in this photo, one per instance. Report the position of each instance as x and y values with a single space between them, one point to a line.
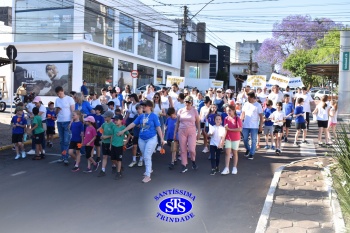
82 105
188 125
275 95
252 117
150 126
64 108
22 91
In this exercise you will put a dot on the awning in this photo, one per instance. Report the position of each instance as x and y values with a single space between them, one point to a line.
328 70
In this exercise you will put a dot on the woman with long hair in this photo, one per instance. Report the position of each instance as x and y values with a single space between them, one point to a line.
160 112
322 114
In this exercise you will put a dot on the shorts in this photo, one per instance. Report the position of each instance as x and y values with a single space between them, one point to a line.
234 145
135 140
105 149
300 125
332 124
288 123
202 125
97 141
268 129
38 138
88 150
322 124
278 129
17 138
117 153
75 145
50 130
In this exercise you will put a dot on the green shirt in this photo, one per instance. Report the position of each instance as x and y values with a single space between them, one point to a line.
107 131
37 121
118 140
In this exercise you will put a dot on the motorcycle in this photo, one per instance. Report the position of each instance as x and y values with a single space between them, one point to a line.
2 103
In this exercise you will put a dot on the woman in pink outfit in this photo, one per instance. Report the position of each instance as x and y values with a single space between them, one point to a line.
188 126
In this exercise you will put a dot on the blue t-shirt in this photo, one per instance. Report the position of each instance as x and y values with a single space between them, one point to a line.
120 98
223 116
149 123
136 129
50 118
170 123
287 109
238 113
85 107
298 110
76 128
19 120
211 119
84 90
200 105
219 103
99 120
267 113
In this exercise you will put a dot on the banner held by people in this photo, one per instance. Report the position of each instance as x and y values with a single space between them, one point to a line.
180 81
295 82
280 80
256 80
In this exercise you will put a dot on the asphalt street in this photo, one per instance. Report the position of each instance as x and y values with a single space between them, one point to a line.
45 196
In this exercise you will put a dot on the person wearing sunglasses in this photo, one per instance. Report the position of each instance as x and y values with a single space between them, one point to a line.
160 112
218 100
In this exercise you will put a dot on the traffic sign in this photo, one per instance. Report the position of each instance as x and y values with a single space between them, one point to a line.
11 52
134 73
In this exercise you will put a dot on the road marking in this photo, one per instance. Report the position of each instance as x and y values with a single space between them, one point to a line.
308 150
53 154
55 161
18 173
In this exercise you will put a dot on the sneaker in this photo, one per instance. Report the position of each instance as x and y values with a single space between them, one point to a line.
295 144
50 145
231 155
146 179
88 170
140 163
285 139
129 146
273 147
226 171
118 176
60 160
18 156
94 152
66 162
175 162
43 151
31 152
98 160
23 154
95 167
114 170
251 157
13 148
183 169
205 150
159 148
179 158
246 153
217 169
234 171
213 172
171 166
144 174
102 173
133 163
267 147
138 154
194 166
305 142
75 169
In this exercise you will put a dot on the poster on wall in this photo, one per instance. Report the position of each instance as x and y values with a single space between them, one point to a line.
124 78
42 74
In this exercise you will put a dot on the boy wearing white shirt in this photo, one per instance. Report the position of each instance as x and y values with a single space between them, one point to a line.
278 118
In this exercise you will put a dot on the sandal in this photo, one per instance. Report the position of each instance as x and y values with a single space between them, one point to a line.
37 158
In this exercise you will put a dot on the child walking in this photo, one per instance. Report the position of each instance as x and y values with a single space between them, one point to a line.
99 120
19 124
288 110
233 126
88 142
38 136
332 123
118 143
278 118
77 130
268 124
135 139
217 140
171 141
299 122
50 121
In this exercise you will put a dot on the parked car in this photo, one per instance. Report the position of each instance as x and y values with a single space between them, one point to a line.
320 93
143 88
313 91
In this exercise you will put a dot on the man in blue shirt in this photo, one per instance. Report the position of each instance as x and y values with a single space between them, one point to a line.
84 89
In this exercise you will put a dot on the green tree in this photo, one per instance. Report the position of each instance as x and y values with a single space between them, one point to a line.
222 76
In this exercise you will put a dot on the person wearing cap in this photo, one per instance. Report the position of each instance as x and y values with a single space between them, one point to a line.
99 120
94 100
84 89
107 132
64 108
203 116
150 126
89 141
50 121
252 117
188 127
18 124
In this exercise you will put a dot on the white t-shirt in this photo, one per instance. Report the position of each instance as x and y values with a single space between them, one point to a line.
275 98
277 116
165 102
291 95
156 109
218 132
174 96
64 104
132 110
251 117
43 110
95 102
333 119
30 107
262 96
179 105
116 102
307 100
148 96
204 113
322 113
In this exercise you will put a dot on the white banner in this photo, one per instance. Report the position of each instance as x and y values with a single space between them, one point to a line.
180 81
256 81
280 80
295 82
216 84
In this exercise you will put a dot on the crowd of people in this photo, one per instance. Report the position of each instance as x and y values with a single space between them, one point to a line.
108 123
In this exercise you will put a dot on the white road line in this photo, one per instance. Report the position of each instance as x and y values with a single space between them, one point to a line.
53 154
55 161
18 173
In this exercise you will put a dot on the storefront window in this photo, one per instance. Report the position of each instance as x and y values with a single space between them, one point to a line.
167 73
126 33
146 75
97 71
124 73
165 45
159 76
99 23
146 41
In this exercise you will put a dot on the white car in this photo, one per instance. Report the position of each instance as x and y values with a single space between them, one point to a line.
319 94
142 89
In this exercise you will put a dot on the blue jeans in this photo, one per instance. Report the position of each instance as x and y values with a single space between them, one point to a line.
147 148
254 136
64 134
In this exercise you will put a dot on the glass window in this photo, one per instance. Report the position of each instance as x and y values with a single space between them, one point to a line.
97 71
159 76
126 33
146 75
99 23
124 75
146 41
194 72
44 20
165 45
167 73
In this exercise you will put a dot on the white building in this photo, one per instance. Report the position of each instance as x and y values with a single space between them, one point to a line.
5 71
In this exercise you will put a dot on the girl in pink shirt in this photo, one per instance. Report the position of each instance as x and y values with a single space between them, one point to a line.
89 141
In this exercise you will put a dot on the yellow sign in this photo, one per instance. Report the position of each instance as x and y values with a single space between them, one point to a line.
180 81
256 81
216 84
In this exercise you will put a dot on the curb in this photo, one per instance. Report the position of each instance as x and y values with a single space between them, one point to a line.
339 224
28 142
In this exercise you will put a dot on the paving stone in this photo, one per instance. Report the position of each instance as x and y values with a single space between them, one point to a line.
327 225
293 230
307 210
280 223
296 203
282 209
271 230
321 230
306 187
306 224
313 203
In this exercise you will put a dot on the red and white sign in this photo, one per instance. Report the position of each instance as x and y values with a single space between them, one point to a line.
134 73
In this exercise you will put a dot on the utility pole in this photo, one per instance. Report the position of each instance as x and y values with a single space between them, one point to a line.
250 64
183 38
